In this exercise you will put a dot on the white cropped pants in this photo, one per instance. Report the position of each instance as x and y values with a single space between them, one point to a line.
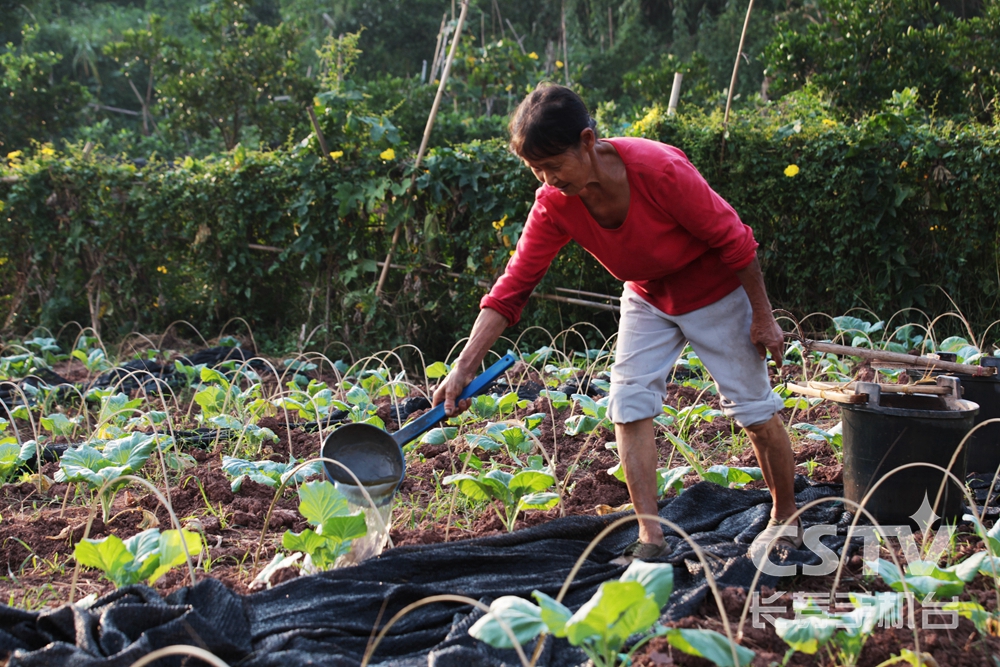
650 341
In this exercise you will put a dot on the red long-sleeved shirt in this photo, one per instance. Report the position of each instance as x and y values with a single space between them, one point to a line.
678 248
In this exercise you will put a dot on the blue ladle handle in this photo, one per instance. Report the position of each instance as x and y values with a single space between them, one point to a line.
427 420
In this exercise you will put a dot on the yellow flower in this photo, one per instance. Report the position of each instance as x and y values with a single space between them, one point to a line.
48 150
498 224
904 164
161 269
791 170
509 87
559 64
16 155
336 155
533 55
511 253
829 123
388 154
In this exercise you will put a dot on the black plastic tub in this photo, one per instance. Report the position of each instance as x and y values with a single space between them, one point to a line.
984 444
892 430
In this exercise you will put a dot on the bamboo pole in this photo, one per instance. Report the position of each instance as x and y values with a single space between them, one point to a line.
565 44
611 29
736 66
830 395
675 94
897 358
426 138
437 47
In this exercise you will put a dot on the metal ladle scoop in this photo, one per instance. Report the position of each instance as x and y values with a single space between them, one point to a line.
376 457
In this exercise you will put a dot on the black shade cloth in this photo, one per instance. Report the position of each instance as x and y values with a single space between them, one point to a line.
328 618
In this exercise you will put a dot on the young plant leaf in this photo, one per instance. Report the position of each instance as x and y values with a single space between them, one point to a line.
710 645
522 618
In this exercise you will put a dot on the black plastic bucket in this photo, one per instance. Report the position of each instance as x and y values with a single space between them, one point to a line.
983 445
891 430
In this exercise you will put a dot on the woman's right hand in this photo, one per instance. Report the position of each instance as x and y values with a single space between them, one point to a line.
450 389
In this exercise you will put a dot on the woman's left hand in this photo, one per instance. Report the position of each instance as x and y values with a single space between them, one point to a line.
766 335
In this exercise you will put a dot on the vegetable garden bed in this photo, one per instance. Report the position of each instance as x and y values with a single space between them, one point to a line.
217 439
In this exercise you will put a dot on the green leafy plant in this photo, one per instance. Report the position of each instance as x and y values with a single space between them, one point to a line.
685 419
558 399
601 627
926 578
116 410
860 332
313 403
13 456
524 490
123 456
217 395
146 556
59 424
843 635
516 438
268 473
594 415
328 510
94 360
732 477
834 437
48 348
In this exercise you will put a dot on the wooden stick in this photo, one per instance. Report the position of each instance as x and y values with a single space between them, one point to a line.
427 135
887 388
319 133
895 357
835 396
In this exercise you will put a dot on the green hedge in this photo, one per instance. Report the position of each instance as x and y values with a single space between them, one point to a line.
891 212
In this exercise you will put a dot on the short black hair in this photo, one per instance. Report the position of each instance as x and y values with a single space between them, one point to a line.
548 122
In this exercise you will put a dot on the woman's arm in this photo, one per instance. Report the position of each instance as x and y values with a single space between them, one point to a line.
487 329
765 333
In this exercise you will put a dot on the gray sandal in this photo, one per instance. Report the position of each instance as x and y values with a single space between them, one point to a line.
779 533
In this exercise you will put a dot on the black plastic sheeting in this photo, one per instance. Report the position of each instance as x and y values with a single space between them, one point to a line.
329 619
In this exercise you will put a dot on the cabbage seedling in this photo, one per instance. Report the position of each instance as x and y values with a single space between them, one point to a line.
146 556
119 457
12 455
525 490
326 508
594 415
924 578
268 473
842 634
601 627
59 424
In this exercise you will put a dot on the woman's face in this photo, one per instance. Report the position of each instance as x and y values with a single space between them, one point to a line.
570 171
